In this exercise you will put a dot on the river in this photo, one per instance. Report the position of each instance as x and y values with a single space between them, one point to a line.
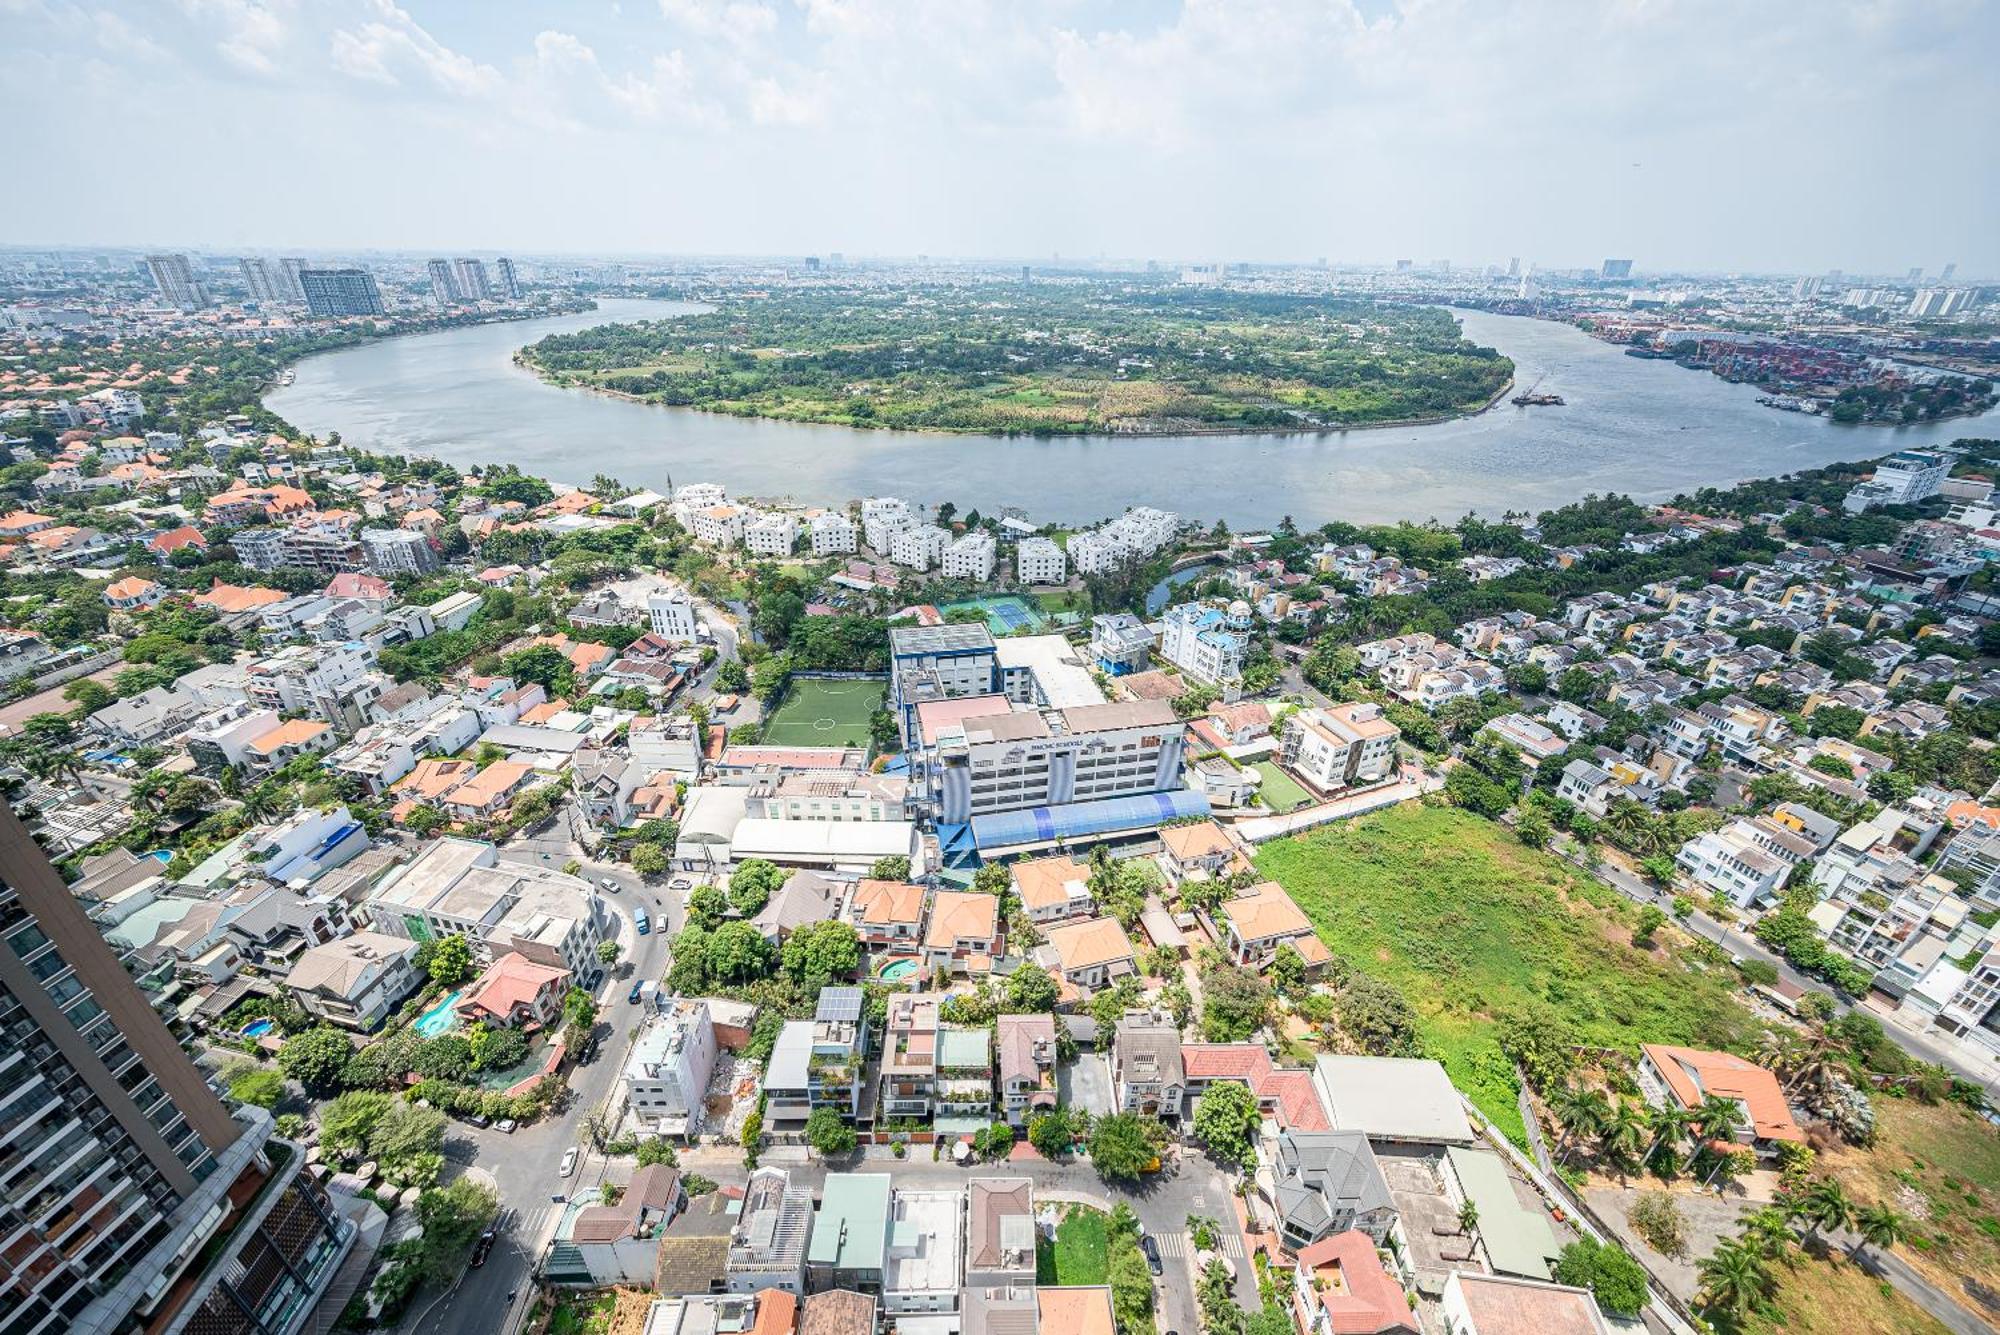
1649 429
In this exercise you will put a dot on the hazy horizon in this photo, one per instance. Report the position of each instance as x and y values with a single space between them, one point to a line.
1689 135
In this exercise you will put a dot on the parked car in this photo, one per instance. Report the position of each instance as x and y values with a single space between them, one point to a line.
632 997
568 1162
480 1120
642 922
609 884
505 1126
1152 1251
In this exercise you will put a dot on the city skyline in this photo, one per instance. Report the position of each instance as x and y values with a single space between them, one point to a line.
1694 137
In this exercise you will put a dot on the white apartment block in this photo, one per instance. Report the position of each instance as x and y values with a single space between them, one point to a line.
772 533
461 886
1904 478
1342 746
673 617
398 551
832 533
919 548
667 1073
882 518
332 682
926 1252
1134 535
1019 757
1040 561
1731 861
971 557
718 525
697 496
1204 642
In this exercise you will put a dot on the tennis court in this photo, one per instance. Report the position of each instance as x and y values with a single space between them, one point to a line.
1004 616
817 711
1279 790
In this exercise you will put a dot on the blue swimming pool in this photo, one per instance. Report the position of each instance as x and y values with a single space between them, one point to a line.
439 1019
258 1027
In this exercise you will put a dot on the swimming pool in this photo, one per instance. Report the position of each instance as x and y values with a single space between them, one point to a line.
895 971
441 1018
258 1027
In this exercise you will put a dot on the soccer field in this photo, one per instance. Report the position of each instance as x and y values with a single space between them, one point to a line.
817 712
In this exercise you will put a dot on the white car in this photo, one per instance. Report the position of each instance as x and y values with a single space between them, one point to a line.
568 1162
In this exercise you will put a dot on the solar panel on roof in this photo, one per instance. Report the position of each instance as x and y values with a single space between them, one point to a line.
839 1005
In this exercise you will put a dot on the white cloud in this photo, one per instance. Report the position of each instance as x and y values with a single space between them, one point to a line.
252 32
393 45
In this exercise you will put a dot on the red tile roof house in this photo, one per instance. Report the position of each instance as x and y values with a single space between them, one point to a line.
1690 1075
1288 1096
1339 1287
887 913
516 992
964 932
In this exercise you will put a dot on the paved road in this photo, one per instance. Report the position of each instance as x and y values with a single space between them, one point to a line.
1921 1046
1196 1187
526 1163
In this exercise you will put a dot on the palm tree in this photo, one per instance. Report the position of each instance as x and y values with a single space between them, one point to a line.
1717 1119
1581 1112
1734 1279
1768 1231
1670 1122
1468 1217
258 804
1878 1226
1626 1131
1823 1205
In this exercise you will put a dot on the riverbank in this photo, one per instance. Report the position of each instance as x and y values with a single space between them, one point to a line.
1630 426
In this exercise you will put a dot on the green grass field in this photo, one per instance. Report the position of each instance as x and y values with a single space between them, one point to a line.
816 712
1279 791
1081 1252
1474 927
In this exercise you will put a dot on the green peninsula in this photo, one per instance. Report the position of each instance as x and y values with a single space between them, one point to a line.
1042 358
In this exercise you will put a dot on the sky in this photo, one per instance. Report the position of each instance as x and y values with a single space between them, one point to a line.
1773 136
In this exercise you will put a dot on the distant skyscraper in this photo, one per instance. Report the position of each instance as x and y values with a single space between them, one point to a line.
1946 274
1514 267
293 265
1617 269
174 276
510 286
1402 266
444 284
331 293
1916 272
812 264
131 1198
265 284
1807 288
472 284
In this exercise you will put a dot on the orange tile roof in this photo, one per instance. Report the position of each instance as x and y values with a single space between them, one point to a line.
23 519
962 915
510 981
174 539
777 1310
130 587
1043 883
1266 911
496 780
1200 840
1694 1073
1349 1281
1089 944
881 903
229 598
434 778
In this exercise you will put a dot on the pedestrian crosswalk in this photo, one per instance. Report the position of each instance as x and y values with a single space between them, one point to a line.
1177 1244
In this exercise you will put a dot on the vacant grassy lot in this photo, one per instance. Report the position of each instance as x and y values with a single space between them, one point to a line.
1081 1252
1940 1168
824 713
1474 927
1836 1297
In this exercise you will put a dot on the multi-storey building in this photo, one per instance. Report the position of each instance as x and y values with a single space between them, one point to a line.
882 518
767 1248
929 663
971 557
132 1198
831 533
334 293
1039 560
1739 861
1340 746
264 284
460 887
332 682
920 547
1120 643
1026 1074
983 756
771 534
818 1062
909 1057
1904 478
673 617
507 282
667 1073
1133 536
398 551
472 281
175 278
1206 643
717 525
444 283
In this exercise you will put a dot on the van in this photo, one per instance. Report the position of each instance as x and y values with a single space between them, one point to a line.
642 922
